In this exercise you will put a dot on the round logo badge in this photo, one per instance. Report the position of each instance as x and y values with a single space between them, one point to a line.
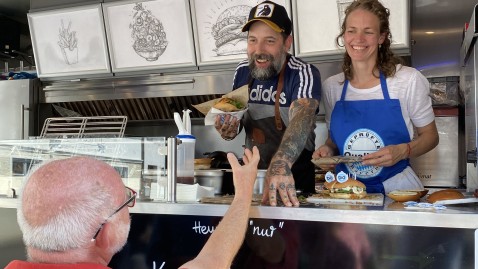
360 143
342 177
329 177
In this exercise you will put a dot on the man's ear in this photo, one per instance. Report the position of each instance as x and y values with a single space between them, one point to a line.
288 42
103 240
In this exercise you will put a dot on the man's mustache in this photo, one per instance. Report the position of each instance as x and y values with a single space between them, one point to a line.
266 57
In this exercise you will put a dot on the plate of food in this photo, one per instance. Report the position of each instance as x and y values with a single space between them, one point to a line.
350 191
450 197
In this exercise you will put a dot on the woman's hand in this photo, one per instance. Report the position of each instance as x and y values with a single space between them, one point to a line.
324 151
386 156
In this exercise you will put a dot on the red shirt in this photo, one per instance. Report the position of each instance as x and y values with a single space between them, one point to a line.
29 265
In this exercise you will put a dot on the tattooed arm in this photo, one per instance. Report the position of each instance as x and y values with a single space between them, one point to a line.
279 180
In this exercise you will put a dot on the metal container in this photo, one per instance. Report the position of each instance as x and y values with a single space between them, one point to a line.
210 178
260 180
216 178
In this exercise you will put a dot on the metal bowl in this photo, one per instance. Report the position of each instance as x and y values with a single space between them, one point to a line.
209 178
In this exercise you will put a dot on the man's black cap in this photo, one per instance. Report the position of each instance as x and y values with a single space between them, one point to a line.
272 14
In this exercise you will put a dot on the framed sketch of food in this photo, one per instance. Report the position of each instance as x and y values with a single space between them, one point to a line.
318 23
146 35
217 28
69 42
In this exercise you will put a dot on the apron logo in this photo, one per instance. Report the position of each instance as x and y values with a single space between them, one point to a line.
267 95
360 143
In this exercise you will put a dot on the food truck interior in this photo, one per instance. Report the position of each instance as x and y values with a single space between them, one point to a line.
149 99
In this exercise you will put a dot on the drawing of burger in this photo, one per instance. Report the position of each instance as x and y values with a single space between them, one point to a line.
227 33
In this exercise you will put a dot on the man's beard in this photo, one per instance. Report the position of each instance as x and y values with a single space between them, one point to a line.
271 70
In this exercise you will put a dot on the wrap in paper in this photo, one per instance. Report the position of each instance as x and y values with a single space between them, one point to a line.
240 94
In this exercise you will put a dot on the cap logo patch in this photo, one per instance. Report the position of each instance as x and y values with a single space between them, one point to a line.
264 10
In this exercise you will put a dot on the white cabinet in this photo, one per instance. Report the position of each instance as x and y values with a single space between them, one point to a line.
317 24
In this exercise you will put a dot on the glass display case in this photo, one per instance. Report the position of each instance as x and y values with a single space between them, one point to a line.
131 157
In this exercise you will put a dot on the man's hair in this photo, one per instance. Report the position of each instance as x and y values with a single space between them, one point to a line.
71 227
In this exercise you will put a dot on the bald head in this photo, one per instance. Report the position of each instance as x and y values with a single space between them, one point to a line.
62 185
64 201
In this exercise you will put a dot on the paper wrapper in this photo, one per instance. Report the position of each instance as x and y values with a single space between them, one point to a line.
240 94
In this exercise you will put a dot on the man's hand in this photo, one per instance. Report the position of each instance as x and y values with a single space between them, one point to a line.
280 183
227 126
279 179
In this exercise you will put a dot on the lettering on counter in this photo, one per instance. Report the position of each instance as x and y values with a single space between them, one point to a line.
256 230
198 228
269 232
162 265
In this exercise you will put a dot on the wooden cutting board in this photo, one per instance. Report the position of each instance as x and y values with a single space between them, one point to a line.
227 199
372 199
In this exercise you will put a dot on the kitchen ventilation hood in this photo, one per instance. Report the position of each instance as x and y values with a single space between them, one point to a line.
154 97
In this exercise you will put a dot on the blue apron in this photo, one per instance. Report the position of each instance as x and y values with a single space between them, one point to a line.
364 126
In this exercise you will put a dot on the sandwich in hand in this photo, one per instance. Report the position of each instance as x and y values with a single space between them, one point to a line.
229 105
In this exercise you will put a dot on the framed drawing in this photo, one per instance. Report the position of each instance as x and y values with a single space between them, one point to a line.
69 42
217 28
317 24
146 34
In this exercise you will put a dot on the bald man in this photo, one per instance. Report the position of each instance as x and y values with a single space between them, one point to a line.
62 207
73 214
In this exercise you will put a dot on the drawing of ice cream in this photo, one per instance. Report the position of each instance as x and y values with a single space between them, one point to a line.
68 44
148 34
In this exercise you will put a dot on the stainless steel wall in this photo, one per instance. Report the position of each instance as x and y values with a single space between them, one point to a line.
437 54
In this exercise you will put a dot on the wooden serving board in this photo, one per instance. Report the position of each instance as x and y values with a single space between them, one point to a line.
227 199
372 199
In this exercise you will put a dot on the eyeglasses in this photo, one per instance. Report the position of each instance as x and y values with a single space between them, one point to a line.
130 202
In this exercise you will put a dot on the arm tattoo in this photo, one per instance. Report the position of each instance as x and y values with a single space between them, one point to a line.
302 118
280 168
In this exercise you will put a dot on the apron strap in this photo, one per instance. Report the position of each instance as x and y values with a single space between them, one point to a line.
383 84
280 86
344 90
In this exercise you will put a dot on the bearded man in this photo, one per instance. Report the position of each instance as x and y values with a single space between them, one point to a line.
284 95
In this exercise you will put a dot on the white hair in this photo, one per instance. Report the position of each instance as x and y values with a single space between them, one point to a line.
73 227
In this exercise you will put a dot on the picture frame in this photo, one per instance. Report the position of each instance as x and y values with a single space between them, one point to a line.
317 24
211 16
69 42
150 34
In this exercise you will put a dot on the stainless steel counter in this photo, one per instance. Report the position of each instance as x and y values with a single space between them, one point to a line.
452 217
